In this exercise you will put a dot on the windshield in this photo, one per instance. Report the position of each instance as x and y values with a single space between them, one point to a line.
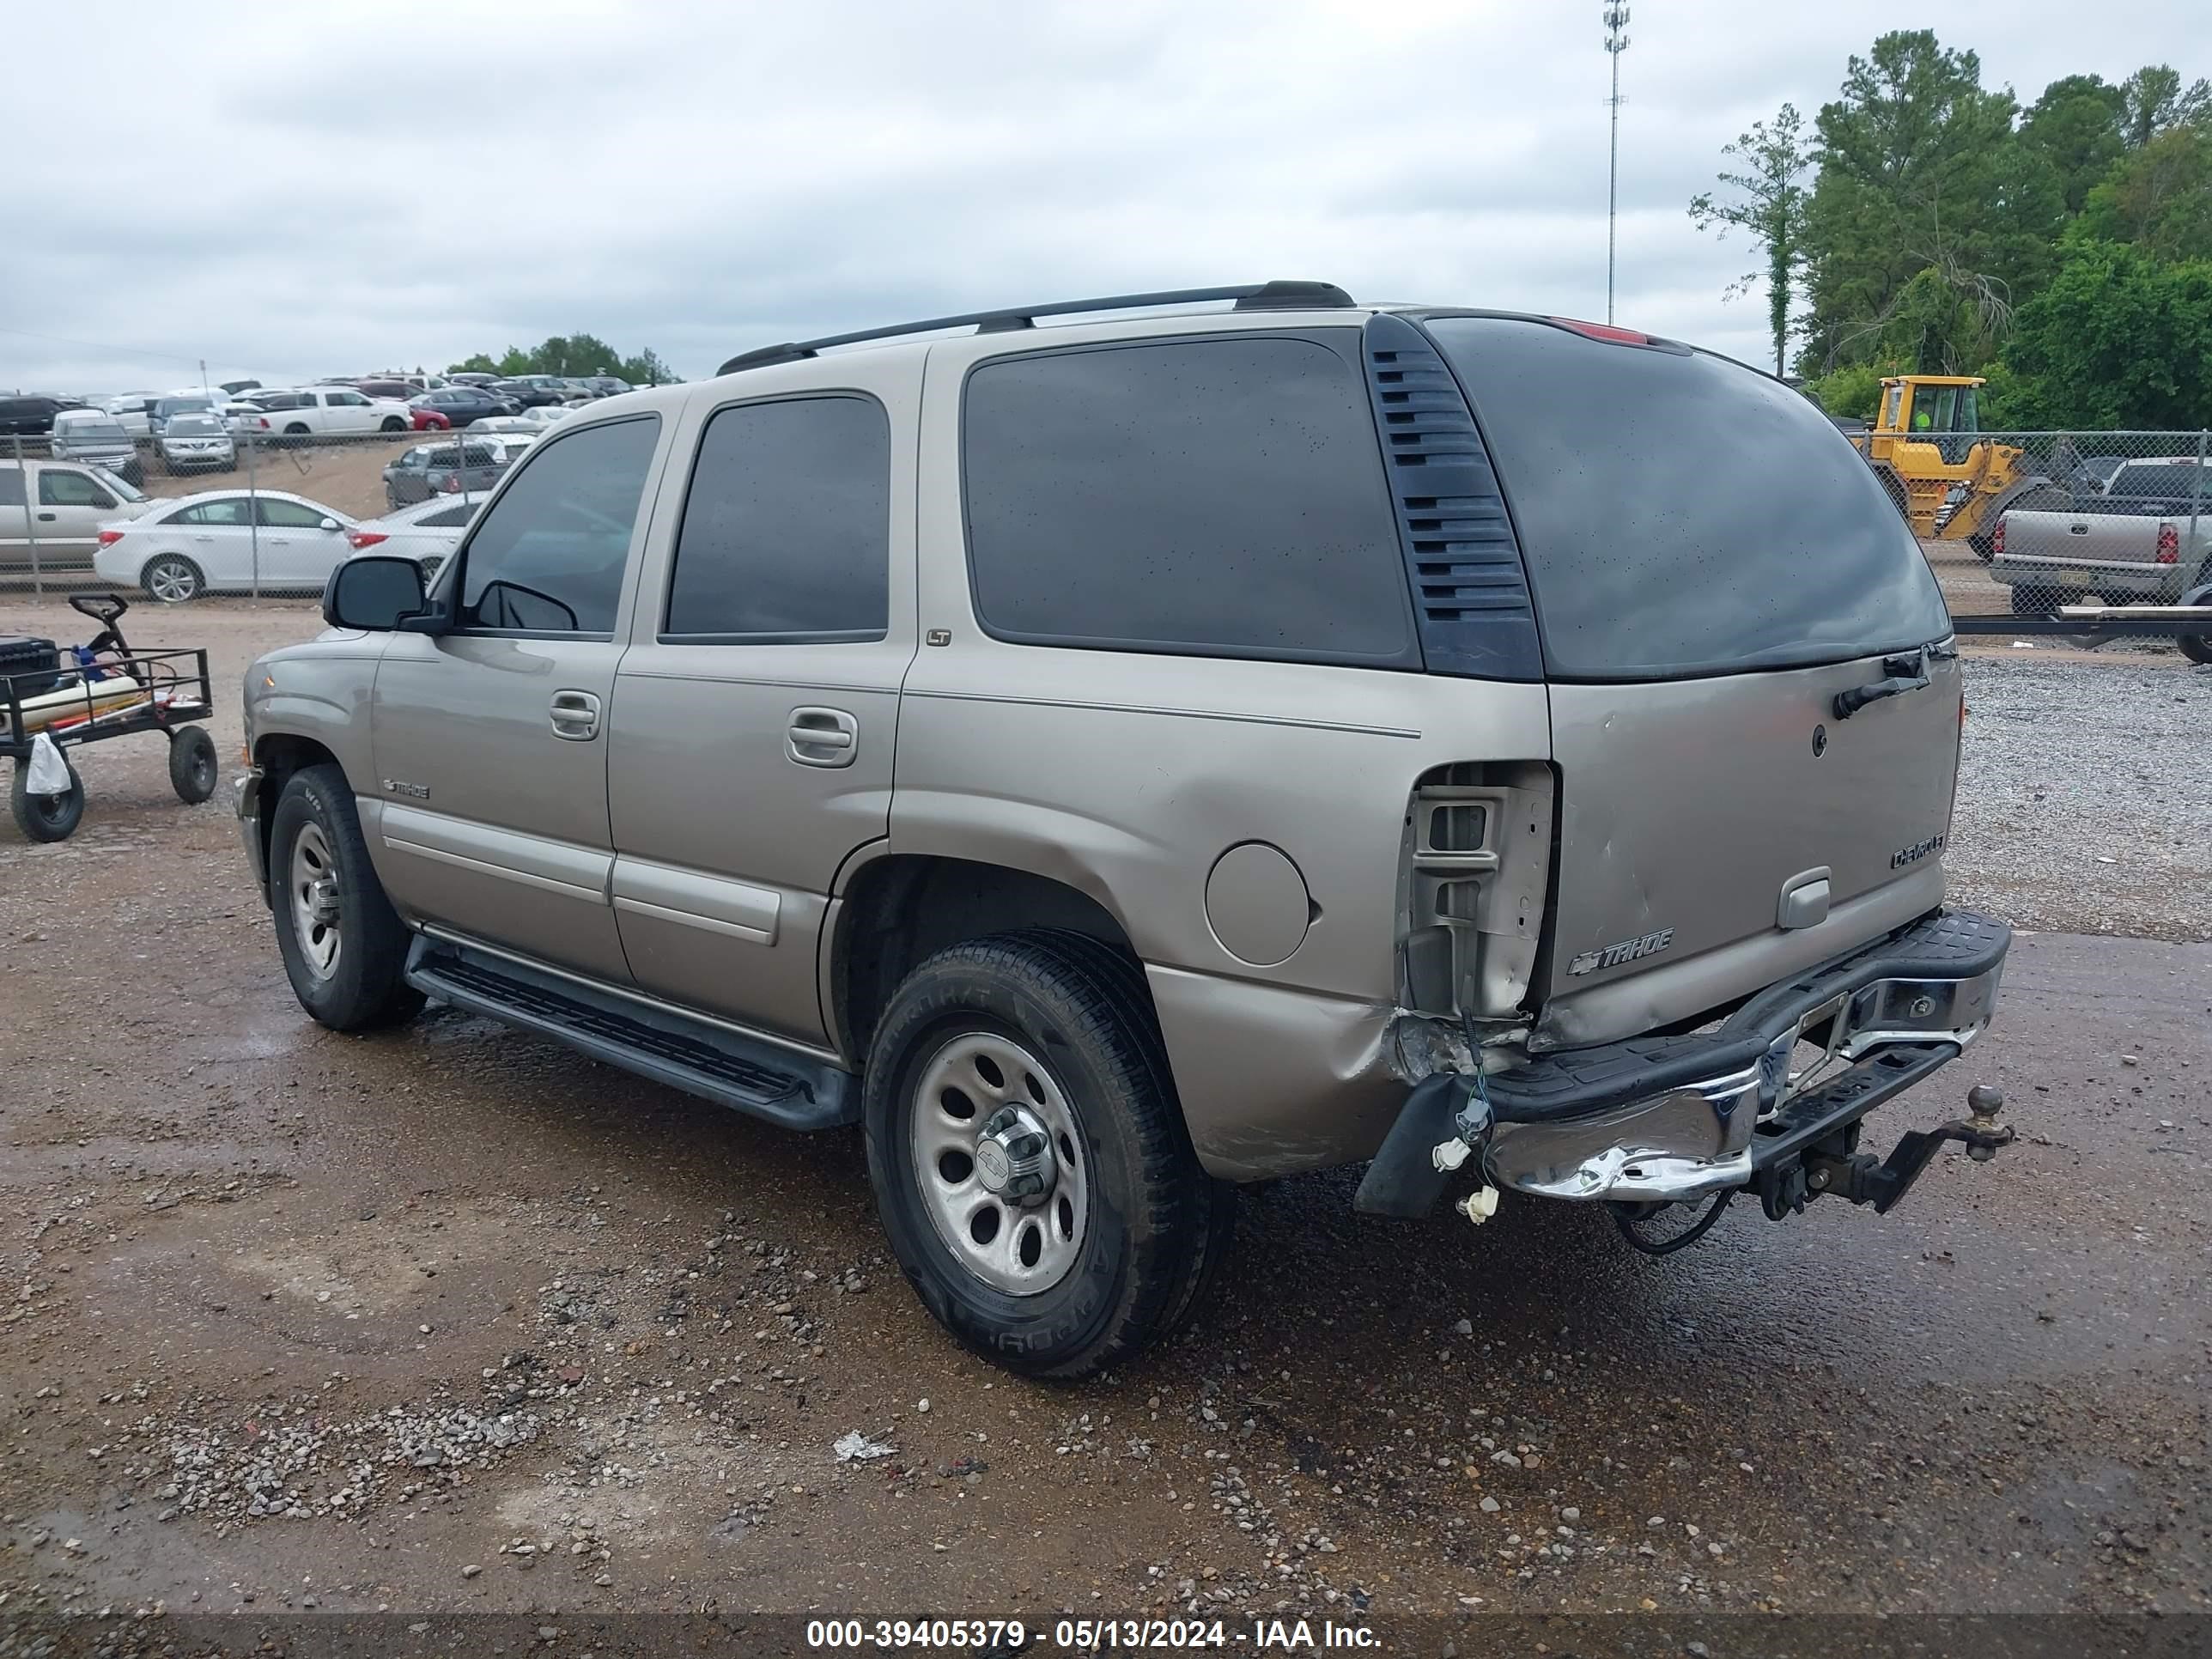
169 406
95 432
195 426
1681 516
1943 409
123 490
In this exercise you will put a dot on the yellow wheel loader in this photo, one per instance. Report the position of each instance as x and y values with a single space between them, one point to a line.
1950 483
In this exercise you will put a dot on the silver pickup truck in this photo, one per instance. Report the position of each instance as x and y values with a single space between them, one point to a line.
2144 537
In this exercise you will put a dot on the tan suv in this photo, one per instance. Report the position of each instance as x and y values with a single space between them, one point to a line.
1117 758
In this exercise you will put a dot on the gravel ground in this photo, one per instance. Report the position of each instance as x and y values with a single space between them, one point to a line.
2085 801
447 1320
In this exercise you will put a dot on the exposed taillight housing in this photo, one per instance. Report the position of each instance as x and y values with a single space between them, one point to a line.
109 538
2169 545
361 539
453 484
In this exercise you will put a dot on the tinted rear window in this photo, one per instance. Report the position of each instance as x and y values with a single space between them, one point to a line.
1680 514
1215 497
2169 480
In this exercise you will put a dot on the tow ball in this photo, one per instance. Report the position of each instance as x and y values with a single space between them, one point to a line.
1836 1170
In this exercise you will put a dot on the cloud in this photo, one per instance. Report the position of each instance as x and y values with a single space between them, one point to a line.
301 190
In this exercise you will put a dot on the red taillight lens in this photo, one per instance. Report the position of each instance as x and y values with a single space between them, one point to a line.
2169 545
361 539
109 538
453 484
1603 331
1996 541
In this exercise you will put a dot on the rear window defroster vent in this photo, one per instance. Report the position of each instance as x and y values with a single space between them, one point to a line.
1469 588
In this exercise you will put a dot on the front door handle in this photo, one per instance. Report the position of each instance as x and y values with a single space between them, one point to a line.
45 518
575 716
821 737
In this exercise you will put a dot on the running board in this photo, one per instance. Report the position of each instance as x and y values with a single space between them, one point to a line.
751 1075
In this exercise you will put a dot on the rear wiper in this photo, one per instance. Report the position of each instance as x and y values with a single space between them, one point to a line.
1907 672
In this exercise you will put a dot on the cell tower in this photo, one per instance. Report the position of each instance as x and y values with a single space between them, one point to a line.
1616 42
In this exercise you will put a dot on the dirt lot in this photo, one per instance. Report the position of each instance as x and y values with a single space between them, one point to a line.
346 476
449 1318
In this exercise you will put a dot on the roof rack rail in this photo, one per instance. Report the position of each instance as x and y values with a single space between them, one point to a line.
1250 296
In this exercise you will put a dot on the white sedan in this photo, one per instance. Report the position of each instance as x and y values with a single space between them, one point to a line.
225 541
425 532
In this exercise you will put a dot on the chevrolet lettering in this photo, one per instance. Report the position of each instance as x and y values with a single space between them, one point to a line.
1914 853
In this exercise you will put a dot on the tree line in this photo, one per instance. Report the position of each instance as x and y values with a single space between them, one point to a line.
572 355
1925 223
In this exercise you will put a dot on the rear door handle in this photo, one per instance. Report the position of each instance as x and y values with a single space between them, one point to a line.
575 716
45 518
821 737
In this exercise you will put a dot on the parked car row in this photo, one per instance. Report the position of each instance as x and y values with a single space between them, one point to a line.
388 403
76 517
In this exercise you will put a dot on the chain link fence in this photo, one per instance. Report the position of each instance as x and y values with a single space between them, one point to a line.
2016 524
2021 524
259 499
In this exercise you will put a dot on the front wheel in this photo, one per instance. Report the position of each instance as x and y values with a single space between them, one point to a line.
47 817
1030 1158
393 423
343 945
171 577
192 770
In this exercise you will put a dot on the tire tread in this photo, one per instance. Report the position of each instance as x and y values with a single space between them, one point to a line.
1182 1234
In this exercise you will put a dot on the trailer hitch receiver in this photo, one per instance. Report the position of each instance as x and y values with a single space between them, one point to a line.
1784 1189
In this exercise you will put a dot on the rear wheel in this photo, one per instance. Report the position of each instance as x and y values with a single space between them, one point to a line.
171 577
2030 600
47 817
343 945
192 769
1030 1158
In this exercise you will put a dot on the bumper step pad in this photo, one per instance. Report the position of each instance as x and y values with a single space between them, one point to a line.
1950 946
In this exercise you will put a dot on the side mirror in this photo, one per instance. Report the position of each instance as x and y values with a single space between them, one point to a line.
329 524
374 592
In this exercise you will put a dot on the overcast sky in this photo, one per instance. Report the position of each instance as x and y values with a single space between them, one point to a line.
319 189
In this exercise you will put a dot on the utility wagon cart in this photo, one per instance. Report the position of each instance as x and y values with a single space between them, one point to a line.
88 694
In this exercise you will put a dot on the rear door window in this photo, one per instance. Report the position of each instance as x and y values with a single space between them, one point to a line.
1220 496
276 513
224 512
1681 516
787 529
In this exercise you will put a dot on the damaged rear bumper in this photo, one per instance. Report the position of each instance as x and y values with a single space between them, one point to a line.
1660 1119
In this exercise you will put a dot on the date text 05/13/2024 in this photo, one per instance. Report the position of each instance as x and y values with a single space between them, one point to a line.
1089 1635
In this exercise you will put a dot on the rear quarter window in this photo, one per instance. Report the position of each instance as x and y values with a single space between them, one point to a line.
1681 516
1216 495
